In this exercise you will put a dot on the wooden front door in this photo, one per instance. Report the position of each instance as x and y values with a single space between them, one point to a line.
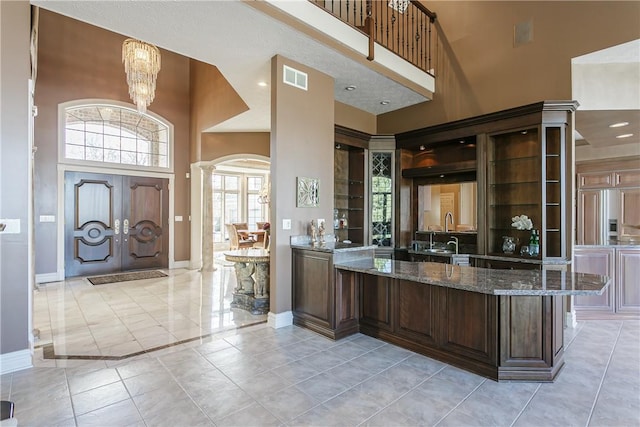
114 223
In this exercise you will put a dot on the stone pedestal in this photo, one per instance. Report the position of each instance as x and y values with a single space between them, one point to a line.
252 276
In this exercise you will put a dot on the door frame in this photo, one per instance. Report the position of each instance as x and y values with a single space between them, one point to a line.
62 168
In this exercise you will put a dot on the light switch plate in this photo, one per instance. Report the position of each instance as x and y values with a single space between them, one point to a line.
178 218
286 224
47 218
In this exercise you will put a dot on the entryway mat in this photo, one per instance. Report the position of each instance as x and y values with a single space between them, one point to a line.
125 277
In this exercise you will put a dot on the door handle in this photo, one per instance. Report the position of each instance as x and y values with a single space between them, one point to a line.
116 227
125 226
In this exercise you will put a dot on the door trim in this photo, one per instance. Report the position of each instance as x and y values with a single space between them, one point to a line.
62 168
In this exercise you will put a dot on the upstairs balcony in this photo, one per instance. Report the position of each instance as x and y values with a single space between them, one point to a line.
395 38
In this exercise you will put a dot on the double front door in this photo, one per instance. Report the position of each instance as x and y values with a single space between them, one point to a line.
114 223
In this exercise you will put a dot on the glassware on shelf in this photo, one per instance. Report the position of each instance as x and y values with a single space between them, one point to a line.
508 244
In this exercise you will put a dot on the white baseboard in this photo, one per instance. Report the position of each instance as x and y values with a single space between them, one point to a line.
182 264
49 277
280 320
15 361
572 322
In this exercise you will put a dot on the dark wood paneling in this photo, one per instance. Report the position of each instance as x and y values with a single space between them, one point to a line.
346 303
468 324
376 304
311 291
531 337
417 311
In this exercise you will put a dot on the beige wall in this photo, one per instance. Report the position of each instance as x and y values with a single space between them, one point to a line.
217 145
213 101
354 118
15 168
80 61
479 71
302 133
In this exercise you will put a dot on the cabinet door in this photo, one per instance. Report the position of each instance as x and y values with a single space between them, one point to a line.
595 261
629 178
628 281
589 217
629 213
595 180
312 286
417 311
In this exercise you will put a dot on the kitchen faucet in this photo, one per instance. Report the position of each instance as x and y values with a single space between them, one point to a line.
446 221
455 243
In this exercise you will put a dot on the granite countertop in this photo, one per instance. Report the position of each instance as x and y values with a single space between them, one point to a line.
510 258
612 244
483 280
332 247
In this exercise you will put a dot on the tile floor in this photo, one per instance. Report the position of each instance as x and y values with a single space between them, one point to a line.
257 376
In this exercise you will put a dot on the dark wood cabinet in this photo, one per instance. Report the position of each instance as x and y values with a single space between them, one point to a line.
324 299
506 265
350 159
500 337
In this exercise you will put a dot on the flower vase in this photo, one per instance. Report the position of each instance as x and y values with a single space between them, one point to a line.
508 244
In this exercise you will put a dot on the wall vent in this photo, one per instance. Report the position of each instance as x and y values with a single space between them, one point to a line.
522 33
294 77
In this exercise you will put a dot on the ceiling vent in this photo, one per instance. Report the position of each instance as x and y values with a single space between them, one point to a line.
295 78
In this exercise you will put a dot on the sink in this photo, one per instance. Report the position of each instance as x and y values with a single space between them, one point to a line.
438 251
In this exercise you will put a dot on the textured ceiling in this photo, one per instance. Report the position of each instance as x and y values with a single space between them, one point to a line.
240 41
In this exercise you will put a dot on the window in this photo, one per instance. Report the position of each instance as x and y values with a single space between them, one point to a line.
381 198
236 199
114 134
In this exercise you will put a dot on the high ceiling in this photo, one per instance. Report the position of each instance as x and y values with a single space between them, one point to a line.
240 41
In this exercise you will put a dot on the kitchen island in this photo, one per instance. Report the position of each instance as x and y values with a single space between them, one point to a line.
502 324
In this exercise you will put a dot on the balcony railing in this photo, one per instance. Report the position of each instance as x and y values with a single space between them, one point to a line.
405 27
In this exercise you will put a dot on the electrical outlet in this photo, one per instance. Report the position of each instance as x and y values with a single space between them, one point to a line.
320 221
286 224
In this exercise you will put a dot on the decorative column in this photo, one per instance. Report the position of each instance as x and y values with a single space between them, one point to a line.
207 218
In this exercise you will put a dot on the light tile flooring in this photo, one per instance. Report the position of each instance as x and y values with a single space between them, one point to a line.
258 376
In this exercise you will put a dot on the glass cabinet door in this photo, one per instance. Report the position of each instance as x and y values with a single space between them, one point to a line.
381 186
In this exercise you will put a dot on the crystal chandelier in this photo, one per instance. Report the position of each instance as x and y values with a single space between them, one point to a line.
264 197
141 63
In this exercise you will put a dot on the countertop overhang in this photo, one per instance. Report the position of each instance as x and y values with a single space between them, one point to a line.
483 280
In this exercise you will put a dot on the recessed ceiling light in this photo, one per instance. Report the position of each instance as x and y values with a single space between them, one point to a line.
263 84
626 135
422 148
350 88
385 102
619 124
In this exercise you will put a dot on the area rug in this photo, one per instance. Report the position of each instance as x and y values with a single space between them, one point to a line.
125 277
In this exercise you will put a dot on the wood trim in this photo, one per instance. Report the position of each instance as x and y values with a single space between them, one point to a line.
351 137
608 165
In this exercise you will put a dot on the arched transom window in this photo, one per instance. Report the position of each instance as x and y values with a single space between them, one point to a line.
115 134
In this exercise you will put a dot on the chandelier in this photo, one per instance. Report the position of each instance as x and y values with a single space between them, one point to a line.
141 63
264 197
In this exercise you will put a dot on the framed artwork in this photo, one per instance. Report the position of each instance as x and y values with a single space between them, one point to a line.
308 192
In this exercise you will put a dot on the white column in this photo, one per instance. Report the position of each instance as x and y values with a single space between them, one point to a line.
207 218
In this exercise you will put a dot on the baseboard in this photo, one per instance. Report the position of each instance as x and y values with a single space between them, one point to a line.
48 277
280 320
572 322
181 264
15 361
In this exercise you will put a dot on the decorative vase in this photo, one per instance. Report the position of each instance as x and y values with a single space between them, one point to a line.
508 244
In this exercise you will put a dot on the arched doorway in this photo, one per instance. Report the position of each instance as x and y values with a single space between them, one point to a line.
238 183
